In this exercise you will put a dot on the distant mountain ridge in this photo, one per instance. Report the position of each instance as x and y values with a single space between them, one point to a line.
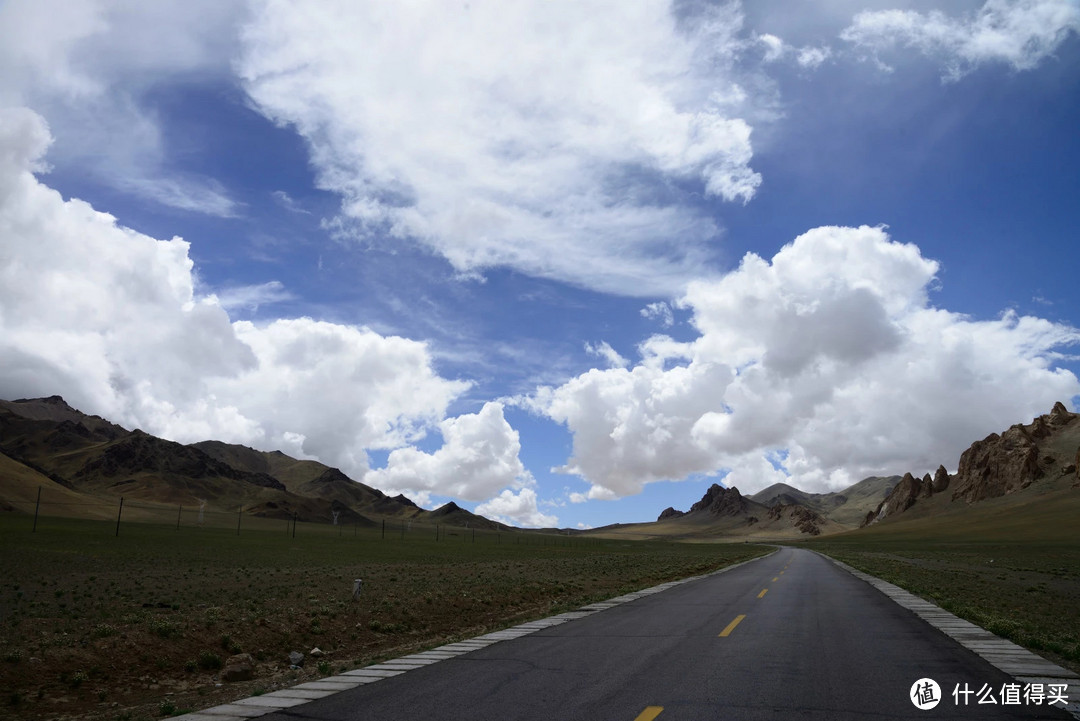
725 512
44 441
780 509
847 507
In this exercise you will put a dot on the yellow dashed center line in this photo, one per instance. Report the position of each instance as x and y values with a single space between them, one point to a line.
731 626
649 713
776 579
763 592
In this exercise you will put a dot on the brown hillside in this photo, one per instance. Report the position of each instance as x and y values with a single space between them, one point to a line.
47 443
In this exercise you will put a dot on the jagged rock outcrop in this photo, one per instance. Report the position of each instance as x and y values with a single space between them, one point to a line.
721 501
995 466
804 519
670 512
941 480
999 465
906 493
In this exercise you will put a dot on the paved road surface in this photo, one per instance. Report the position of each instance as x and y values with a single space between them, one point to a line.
790 636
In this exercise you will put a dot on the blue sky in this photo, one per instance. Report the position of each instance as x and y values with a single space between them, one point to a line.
566 265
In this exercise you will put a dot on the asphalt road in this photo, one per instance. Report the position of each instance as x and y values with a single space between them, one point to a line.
810 642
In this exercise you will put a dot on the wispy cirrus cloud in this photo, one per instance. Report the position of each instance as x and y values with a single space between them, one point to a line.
89 67
1019 33
250 297
530 136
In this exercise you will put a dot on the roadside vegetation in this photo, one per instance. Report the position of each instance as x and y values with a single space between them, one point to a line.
139 626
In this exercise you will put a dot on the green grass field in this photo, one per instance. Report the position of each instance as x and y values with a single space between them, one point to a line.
98 626
1010 565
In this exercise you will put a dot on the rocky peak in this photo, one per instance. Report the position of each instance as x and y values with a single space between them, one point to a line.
904 495
670 512
941 480
1060 414
721 501
446 508
404 500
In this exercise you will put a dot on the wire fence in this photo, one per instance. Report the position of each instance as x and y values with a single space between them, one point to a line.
342 523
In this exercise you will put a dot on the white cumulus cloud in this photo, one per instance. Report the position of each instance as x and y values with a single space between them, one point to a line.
529 134
1020 33
519 509
829 357
109 318
479 456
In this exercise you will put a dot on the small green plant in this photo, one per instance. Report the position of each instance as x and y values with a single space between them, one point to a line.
230 645
324 668
103 630
76 679
166 708
190 665
13 656
164 627
209 661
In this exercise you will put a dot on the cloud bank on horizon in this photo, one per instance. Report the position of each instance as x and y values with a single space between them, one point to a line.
794 376
500 137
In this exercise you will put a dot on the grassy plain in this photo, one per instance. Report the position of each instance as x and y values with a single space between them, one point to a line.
1010 565
135 627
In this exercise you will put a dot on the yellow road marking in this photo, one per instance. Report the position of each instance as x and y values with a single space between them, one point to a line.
776 579
731 626
763 592
781 573
649 713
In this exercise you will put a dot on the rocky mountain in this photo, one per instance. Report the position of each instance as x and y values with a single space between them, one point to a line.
720 501
847 507
44 442
725 511
1045 450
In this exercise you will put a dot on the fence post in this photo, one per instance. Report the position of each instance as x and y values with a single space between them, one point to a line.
118 515
383 537
294 524
179 510
436 531
403 530
238 520
36 507
474 535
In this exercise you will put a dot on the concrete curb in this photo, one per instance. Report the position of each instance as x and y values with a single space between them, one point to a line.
256 706
1023 665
